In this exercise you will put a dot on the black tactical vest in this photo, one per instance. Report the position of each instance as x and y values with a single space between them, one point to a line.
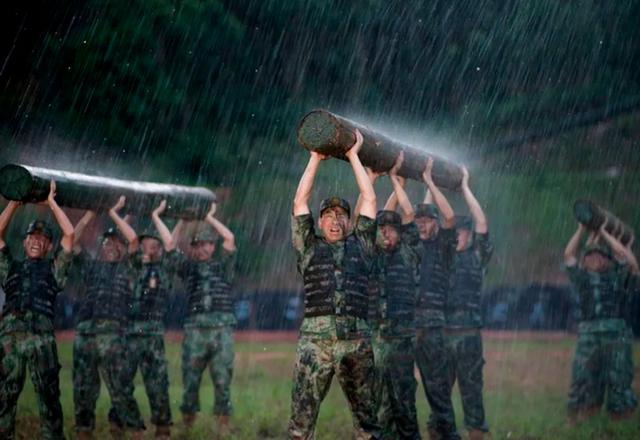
463 302
207 287
434 278
108 292
30 285
320 283
601 297
150 297
399 288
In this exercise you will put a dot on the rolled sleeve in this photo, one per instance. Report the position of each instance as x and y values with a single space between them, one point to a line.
303 238
5 262
484 247
365 232
61 266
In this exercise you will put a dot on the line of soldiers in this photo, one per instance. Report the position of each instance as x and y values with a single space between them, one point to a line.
120 320
384 295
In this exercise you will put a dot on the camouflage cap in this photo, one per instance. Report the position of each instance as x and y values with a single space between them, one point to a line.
114 233
149 233
596 247
333 202
388 218
464 222
39 227
427 210
204 235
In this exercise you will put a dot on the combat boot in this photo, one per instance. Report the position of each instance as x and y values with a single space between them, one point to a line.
224 430
116 431
163 432
84 435
476 434
138 434
620 416
188 419
433 434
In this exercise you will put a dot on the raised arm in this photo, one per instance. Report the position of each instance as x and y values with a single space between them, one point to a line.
620 251
474 207
5 219
373 176
367 193
397 182
78 231
124 227
165 234
303 193
228 239
63 221
571 251
433 192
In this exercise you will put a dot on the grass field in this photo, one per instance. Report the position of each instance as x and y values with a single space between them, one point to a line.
526 381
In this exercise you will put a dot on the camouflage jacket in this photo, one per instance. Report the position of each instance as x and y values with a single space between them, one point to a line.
463 304
29 321
304 238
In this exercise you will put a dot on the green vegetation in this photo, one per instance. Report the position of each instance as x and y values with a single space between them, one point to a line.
526 382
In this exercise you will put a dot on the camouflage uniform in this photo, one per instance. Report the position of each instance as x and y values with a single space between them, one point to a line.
334 335
145 333
463 341
208 331
602 359
435 278
394 336
27 339
99 347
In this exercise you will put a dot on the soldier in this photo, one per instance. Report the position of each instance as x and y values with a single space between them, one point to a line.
208 329
463 315
26 327
600 363
153 263
99 348
334 336
394 331
438 248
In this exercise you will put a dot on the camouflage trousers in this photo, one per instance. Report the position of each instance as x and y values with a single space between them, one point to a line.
431 359
102 355
38 352
317 361
465 362
204 347
396 387
146 351
602 365
631 398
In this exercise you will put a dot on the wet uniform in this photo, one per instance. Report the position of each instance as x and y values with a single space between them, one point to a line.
335 338
394 336
27 339
208 330
437 255
463 341
99 347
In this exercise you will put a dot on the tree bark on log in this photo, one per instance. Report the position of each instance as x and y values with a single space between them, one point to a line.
592 216
330 134
81 191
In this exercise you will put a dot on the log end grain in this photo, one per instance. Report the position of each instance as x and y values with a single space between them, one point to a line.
320 131
16 183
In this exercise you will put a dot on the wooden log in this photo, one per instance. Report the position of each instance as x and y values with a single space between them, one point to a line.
592 216
330 134
81 191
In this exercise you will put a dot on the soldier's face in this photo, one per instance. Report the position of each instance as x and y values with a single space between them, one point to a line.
389 237
334 224
111 250
464 237
427 226
596 262
36 245
152 249
202 250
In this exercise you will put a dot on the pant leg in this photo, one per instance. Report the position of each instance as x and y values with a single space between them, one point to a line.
382 390
312 375
585 390
115 373
86 381
153 366
195 356
470 381
356 373
402 387
131 365
44 368
12 374
221 370
432 362
616 374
